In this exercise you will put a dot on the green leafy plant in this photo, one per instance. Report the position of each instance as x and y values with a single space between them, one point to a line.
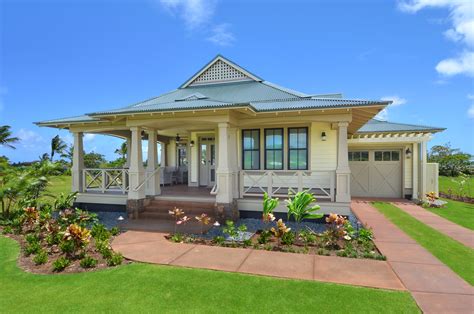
99 232
104 249
52 239
232 231
280 230
269 204
64 201
88 262
114 231
115 259
288 238
32 238
32 248
308 237
40 258
60 264
7 230
66 247
365 235
335 234
78 235
299 207
219 240
264 236
177 238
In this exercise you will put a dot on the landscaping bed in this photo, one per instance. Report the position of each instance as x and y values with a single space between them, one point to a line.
334 235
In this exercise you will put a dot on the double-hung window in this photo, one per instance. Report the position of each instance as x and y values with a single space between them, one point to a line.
297 148
251 149
274 149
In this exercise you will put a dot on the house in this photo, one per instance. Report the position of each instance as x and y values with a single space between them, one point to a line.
227 136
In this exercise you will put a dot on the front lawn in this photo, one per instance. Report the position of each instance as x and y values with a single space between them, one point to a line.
151 288
447 183
56 186
458 212
455 255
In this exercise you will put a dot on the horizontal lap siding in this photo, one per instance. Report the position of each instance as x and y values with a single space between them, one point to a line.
323 153
408 168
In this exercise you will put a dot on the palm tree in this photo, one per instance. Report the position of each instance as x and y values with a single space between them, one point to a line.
68 153
6 138
122 151
57 146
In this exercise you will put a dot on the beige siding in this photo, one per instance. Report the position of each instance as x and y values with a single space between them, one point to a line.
323 153
408 169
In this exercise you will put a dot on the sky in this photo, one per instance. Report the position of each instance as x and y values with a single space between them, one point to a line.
66 58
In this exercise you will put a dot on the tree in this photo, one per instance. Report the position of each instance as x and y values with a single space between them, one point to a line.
93 160
122 150
57 146
452 162
68 153
6 138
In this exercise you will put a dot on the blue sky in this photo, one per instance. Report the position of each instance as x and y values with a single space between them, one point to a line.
62 59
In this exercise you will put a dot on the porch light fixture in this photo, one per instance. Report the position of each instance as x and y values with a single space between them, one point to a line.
408 153
177 139
191 144
323 136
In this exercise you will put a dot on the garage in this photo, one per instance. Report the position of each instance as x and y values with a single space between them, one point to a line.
376 173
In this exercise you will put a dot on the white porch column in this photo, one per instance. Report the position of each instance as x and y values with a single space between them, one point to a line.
136 171
343 172
423 155
129 147
77 163
171 153
153 183
225 169
415 174
163 154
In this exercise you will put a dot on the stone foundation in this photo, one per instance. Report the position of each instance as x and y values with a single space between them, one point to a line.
135 207
227 211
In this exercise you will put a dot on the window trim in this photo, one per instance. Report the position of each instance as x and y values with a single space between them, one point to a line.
272 149
289 149
251 150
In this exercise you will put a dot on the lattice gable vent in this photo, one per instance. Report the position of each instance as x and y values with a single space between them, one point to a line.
219 72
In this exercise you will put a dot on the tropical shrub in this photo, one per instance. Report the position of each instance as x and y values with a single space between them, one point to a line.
53 239
365 235
176 213
232 231
288 238
76 216
32 248
7 230
264 236
60 264
308 237
219 240
335 233
99 232
41 257
88 262
299 207
269 204
64 201
203 220
280 230
115 259
78 235
114 231
104 249
177 237
66 247
32 238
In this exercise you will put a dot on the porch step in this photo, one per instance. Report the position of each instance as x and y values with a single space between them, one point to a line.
158 209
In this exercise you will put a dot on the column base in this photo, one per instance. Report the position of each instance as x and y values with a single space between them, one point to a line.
135 207
227 211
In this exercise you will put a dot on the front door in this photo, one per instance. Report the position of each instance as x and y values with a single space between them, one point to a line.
207 162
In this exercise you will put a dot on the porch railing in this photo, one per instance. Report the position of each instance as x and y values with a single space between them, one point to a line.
105 180
283 182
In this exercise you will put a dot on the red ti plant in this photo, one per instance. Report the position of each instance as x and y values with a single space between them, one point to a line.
203 220
280 230
336 230
176 213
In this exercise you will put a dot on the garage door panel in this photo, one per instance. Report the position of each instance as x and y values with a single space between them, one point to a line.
376 178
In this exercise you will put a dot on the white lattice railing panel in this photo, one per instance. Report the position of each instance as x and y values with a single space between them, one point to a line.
105 180
220 72
282 183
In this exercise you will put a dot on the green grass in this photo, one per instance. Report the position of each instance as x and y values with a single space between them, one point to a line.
138 288
446 183
458 212
58 185
455 255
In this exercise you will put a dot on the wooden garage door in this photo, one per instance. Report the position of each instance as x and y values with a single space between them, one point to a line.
376 173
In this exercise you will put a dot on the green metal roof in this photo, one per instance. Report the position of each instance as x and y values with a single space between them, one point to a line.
380 126
259 95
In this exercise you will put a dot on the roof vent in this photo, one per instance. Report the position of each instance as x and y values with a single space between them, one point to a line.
195 96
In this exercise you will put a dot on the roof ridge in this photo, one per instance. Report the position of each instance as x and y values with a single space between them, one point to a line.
284 89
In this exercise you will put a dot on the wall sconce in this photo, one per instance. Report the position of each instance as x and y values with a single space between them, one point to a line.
191 144
408 153
323 136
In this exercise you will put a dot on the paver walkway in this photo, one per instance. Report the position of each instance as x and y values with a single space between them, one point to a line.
449 228
154 248
435 287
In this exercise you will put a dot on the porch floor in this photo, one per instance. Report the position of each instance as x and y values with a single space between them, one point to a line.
186 192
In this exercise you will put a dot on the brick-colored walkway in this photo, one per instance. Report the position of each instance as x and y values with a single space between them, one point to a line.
435 287
154 248
455 231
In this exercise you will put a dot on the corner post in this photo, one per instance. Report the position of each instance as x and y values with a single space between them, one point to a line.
136 194
77 163
424 157
153 183
129 147
343 172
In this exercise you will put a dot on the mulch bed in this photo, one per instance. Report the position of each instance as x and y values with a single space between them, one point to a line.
465 199
27 264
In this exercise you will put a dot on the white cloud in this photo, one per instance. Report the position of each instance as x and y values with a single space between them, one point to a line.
30 139
221 35
382 115
195 13
88 137
396 100
462 31
463 64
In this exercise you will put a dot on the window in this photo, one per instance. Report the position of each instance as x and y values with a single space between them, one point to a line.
182 157
251 149
359 156
297 148
393 155
274 149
